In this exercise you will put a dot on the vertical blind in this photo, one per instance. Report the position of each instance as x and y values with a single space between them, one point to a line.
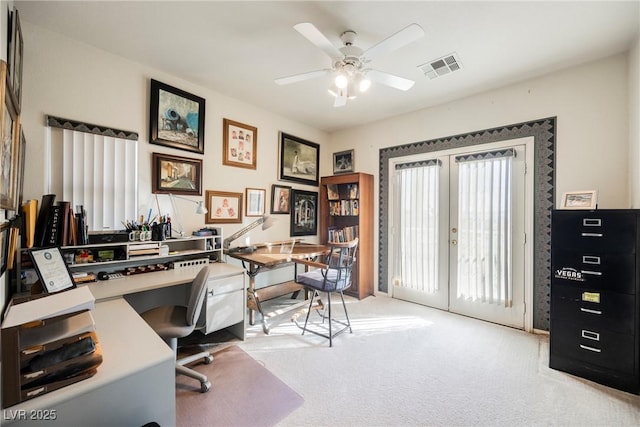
485 227
418 215
95 167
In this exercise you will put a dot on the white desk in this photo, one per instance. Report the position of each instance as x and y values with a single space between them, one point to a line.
135 384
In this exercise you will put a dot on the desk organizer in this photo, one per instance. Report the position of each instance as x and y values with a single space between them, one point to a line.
45 355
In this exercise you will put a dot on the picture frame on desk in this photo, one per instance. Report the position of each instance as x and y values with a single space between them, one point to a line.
52 270
304 213
176 118
9 145
176 175
299 160
239 144
223 207
280 199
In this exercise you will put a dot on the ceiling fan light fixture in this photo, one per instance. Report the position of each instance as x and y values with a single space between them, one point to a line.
341 81
363 82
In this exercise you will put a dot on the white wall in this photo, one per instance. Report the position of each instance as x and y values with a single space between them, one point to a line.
76 81
591 106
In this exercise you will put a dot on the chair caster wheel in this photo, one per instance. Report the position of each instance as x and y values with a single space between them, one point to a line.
205 387
208 360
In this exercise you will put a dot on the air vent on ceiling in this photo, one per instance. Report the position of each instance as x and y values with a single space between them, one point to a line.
441 66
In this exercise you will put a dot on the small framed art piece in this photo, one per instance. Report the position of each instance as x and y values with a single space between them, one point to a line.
223 207
176 175
299 160
14 58
254 198
280 197
304 213
239 144
579 199
343 162
176 118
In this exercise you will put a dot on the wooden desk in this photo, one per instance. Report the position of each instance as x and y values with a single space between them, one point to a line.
267 256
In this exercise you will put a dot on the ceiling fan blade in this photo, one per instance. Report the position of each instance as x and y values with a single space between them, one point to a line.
408 34
390 80
311 33
302 76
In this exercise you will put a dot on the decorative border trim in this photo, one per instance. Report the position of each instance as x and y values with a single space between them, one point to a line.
58 122
544 133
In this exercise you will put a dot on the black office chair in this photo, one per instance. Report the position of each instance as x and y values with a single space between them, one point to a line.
331 276
172 322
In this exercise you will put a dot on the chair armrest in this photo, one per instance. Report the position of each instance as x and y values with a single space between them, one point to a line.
310 263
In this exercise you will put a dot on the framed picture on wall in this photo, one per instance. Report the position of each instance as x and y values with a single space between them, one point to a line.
304 213
280 198
299 160
239 144
255 198
224 207
176 175
14 58
9 145
176 118
343 162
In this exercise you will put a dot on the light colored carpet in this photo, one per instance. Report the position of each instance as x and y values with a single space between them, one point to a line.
407 364
243 393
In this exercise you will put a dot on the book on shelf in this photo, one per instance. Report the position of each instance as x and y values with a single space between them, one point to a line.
344 234
352 190
42 220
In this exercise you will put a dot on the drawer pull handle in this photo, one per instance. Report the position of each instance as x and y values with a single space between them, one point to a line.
588 310
590 335
586 347
591 234
586 259
593 273
591 222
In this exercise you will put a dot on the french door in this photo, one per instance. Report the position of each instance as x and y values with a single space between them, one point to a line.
459 232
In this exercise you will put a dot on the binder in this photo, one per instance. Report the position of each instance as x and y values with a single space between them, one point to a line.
30 210
43 219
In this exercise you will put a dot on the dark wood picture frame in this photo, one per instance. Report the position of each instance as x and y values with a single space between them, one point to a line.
9 145
176 118
15 45
343 162
239 144
299 160
280 199
224 207
4 245
176 175
304 213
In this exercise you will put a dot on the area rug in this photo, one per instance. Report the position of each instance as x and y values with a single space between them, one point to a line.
243 393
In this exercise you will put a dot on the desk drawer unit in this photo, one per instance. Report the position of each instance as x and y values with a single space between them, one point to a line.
225 303
595 306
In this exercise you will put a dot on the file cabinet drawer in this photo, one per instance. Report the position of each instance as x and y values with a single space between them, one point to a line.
595 270
604 310
594 231
601 348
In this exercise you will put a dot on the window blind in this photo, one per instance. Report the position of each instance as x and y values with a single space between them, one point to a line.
96 167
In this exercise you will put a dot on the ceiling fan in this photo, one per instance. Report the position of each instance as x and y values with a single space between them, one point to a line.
348 63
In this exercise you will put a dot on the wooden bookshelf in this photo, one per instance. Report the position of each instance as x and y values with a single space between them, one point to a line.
346 211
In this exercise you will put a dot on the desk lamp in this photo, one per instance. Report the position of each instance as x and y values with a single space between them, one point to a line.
200 209
266 222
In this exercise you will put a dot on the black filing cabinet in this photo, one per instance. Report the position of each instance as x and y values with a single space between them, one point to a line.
595 296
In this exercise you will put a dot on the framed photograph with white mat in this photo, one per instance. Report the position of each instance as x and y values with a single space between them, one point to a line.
580 199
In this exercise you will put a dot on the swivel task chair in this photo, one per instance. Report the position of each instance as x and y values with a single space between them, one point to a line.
331 276
172 322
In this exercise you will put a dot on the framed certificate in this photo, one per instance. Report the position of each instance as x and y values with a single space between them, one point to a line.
52 270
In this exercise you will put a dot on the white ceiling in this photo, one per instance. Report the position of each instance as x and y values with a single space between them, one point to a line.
238 48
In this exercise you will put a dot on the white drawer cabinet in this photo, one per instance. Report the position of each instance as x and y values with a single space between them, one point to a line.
225 304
